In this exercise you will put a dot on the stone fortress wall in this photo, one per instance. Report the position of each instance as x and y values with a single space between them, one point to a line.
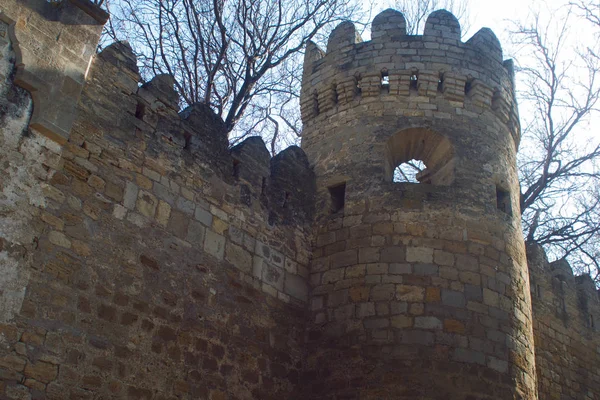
142 258
425 281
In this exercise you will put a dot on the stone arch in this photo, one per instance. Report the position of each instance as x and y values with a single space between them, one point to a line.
425 145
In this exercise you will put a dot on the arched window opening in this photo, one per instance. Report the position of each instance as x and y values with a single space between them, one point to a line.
419 155
469 86
411 171
440 86
414 81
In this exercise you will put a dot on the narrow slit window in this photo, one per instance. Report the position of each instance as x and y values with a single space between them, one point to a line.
236 169
334 94
263 187
414 81
591 321
538 291
503 200
469 86
286 197
140 111
357 86
440 86
316 103
385 81
338 197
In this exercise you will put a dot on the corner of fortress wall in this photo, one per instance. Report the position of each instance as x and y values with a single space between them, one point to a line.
143 258
566 309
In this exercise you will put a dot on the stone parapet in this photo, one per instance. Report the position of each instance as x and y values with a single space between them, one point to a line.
54 43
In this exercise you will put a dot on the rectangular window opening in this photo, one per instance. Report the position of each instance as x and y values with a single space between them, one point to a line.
316 103
385 81
469 86
591 321
338 197
140 110
357 87
414 82
503 200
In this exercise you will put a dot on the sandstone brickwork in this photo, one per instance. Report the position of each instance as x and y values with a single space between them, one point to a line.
427 282
565 327
143 258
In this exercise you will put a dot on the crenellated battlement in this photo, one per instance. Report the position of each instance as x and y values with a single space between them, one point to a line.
197 137
556 291
138 239
432 75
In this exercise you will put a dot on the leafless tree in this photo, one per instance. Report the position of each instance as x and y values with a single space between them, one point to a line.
590 10
558 161
417 11
242 57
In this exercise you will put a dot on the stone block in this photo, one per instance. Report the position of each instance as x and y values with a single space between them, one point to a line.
214 244
130 196
364 310
468 356
273 275
368 255
419 254
453 298
383 292
426 269
428 323
204 216
41 371
236 255
395 254
410 293
400 269
344 258
146 204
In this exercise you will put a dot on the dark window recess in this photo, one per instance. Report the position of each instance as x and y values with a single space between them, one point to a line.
538 291
338 197
503 201
469 86
357 88
414 81
140 110
334 94
440 87
236 169
188 140
591 321
286 197
316 102
385 81
263 188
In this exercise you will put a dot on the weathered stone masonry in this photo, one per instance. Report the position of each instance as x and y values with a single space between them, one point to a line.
142 258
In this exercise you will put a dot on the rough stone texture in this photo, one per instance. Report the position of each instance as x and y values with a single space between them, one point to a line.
441 306
127 253
54 43
566 311
141 258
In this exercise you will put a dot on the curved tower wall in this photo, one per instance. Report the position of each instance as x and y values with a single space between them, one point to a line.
417 290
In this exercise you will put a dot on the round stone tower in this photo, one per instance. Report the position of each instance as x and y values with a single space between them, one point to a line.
419 290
